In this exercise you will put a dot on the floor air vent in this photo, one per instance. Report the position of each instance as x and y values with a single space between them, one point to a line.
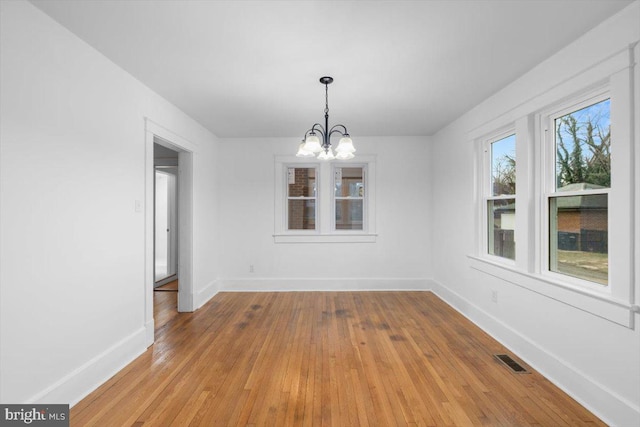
512 364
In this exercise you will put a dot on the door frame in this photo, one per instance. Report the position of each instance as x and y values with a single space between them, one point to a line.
155 133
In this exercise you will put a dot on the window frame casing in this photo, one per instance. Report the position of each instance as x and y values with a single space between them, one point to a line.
548 153
617 301
325 202
487 192
288 198
334 198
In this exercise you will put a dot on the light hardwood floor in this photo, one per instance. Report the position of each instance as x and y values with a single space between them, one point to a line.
324 358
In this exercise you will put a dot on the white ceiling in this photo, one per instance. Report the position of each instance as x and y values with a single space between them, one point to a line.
251 68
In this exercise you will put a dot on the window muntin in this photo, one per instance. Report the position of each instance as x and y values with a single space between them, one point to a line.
578 204
501 201
301 198
349 198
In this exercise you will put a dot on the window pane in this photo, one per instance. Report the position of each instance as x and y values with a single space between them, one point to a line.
302 214
583 142
349 182
302 182
503 166
349 214
502 222
578 237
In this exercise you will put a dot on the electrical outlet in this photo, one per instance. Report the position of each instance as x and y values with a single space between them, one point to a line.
251 268
494 296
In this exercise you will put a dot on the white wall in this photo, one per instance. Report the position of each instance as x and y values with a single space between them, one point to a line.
399 259
595 360
72 248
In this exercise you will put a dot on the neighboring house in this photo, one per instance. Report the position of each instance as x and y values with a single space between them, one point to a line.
582 220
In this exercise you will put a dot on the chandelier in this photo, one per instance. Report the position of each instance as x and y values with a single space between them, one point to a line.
312 144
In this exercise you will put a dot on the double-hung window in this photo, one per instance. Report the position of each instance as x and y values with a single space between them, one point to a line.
571 237
578 160
349 198
324 202
301 198
500 200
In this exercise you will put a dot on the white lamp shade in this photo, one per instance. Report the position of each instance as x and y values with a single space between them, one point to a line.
345 145
326 155
344 156
312 144
302 152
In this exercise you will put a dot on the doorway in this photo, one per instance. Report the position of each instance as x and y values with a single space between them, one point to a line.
169 154
165 235
165 216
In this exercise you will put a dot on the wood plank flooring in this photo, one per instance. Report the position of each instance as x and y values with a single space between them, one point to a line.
324 358
170 287
164 309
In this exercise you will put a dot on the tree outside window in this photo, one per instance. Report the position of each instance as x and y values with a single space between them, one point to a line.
578 233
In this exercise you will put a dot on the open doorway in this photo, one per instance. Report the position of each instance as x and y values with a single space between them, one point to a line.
165 218
161 147
165 234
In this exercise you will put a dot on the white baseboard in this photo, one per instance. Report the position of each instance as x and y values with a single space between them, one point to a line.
610 407
204 295
78 384
604 403
337 284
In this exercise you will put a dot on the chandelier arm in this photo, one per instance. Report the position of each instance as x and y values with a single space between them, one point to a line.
333 129
318 127
325 137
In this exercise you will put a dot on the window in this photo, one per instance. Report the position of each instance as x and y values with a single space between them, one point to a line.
501 198
301 198
324 202
349 198
578 198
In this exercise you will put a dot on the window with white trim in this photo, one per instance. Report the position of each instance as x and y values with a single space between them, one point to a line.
500 199
578 167
324 201
301 198
576 193
349 197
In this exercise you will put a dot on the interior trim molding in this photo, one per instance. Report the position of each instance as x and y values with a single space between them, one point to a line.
79 383
602 305
204 295
328 284
604 403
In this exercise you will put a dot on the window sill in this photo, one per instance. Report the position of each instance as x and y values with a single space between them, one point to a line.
325 238
597 303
